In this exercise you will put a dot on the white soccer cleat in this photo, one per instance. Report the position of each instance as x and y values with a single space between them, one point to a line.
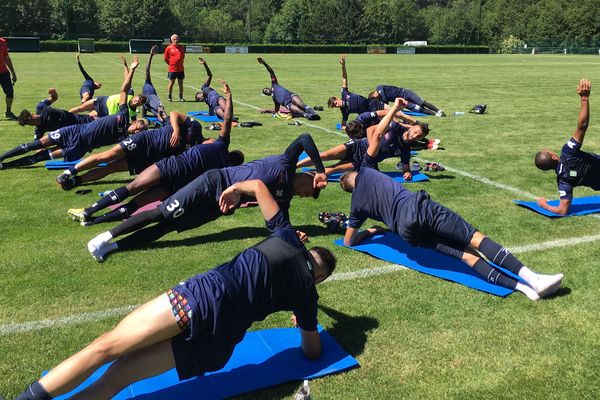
440 113
96 243
545 285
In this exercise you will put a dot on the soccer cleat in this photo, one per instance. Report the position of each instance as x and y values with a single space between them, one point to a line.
181 99
10 115
170 99
440 113
545 285
78 214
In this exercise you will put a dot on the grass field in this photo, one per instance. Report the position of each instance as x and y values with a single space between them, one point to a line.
415 336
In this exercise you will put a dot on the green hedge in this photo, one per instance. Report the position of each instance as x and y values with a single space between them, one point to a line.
113 46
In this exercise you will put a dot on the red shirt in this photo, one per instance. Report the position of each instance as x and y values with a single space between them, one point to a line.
174 55
3 55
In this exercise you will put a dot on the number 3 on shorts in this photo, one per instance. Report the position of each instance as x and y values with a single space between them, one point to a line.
173 206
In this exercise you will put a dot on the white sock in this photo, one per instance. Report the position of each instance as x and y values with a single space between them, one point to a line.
527 291
105 236
528 275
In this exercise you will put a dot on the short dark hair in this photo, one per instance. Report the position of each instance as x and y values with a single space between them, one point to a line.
24 116
198 94
544 161
424 127
236 157
372 95
327 257
331 102
356 130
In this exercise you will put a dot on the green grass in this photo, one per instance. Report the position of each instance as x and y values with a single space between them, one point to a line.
415 336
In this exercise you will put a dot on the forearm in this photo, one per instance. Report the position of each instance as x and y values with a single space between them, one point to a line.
344 77
10 66
257 189
271 72
208 75
342 166
584 115
305 143
404 117
228 116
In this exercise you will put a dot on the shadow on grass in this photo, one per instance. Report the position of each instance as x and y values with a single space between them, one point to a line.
107 182
350 332
562 292
440 177
244 232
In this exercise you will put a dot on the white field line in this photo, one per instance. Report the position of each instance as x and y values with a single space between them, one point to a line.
10 329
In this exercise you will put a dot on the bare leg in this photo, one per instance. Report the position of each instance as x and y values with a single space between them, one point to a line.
149 178
102 172
144 363
152 323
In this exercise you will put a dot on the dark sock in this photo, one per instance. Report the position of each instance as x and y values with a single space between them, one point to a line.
499 255
22 149
145 235
113 197
29 160
137 222
35 391
119 214
493 275
430 106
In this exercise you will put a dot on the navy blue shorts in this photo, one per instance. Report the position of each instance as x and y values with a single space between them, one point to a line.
376 105
72 148
288 100
195 204
7 85
423 222
153 103
148 89
100 106
209 343
137 161
176 75
87 87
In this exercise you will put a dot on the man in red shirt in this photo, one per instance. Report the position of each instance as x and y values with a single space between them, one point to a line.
174 56
6 81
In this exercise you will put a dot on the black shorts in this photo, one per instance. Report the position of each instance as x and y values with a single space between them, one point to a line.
213 334
195 204
427 223
176 75
7 85
137 160
100 106
72 148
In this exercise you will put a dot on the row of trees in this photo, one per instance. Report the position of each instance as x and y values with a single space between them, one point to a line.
549 22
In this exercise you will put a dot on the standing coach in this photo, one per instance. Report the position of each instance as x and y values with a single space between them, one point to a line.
6 81
174 56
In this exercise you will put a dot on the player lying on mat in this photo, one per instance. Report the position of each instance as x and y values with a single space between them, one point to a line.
349 102
47 118
573 167
197 203
195 326
387 93
167 176
422 222
283 97
137 152
89 86
152 104
72 142
208 95
396 141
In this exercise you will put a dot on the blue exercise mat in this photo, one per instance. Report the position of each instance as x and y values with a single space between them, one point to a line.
303 155
197 113
392 248
263 359
60 164
395 175
154 120
415 113
579 206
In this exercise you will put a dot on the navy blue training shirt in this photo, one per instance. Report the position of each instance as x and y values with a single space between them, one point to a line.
576 168
211 97
107 130
281 96
52 119
353 103
376 196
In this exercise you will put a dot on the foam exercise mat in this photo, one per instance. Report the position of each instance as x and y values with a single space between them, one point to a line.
60 164
398 176
579 206
392 248
263 359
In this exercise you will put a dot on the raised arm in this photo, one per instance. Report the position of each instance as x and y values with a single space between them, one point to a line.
125 67
208 72
271 72
583 89
127 82
375 136
153 52
344 73
230 197
228 116
176 119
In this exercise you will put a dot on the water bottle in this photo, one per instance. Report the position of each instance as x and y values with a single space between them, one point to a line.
458 113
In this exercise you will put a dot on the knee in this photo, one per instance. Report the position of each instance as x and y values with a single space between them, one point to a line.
106 348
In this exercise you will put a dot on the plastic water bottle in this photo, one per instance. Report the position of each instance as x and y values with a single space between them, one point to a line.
458 113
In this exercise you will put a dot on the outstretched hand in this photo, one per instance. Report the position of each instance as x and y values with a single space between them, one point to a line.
201 60
225 88
400 103
154 50
343 60
135 62
260 60
541 201
229 199
584 88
